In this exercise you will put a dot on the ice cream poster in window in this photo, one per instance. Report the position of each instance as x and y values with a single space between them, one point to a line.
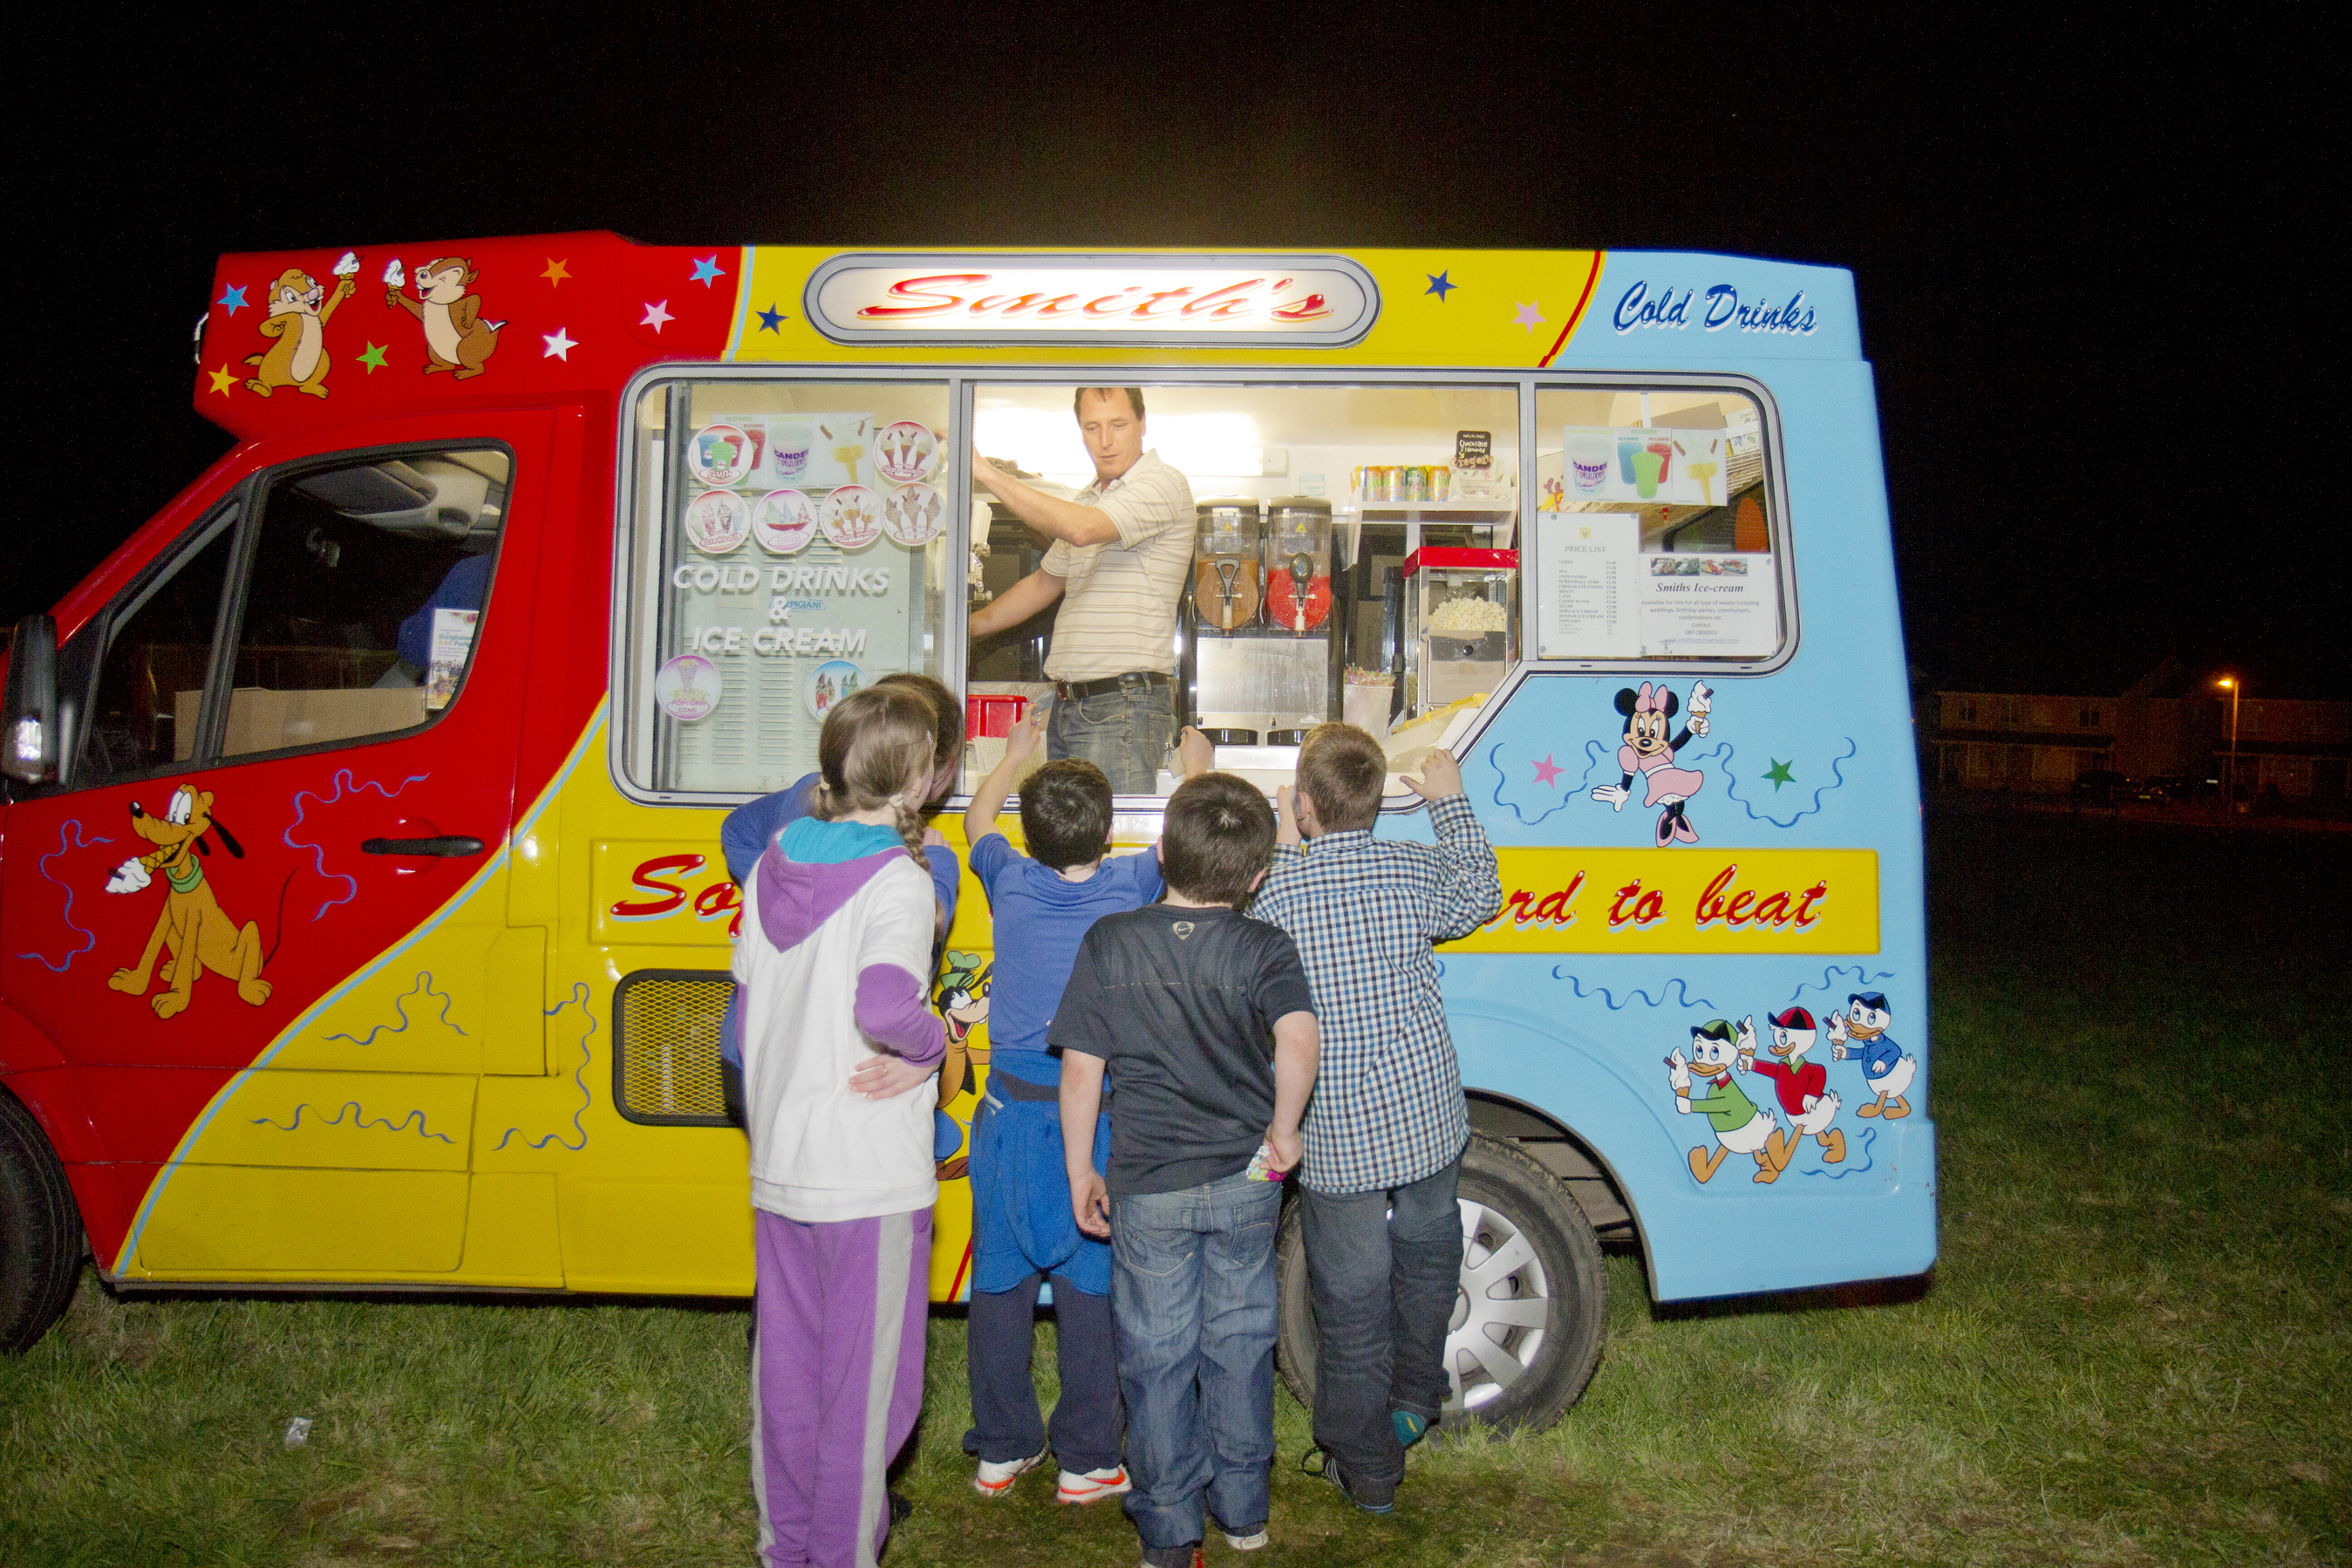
687 688
783 522
852 517
723 453
903 452
718 522
453 639
829 683
913 515
788 448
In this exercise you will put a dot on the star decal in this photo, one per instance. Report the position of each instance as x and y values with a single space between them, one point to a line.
769 319
706 269
558 345
234 298
1780 774
1528 317
556 273
657 314
373 358
1439 283
222 378
1548 771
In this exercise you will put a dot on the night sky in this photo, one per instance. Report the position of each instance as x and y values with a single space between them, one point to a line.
2088 255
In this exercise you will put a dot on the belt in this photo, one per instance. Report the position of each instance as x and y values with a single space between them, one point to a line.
1133 680
1021 1088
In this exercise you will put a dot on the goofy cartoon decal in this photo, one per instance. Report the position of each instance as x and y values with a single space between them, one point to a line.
192 927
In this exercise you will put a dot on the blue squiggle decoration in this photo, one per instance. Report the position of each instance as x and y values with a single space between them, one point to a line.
318 852
1829 979
579 994
1593 750
1864 1138
352 1108
1682 990
89 937
1731 787
424 988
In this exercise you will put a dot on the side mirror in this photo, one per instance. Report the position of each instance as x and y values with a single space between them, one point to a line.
28 743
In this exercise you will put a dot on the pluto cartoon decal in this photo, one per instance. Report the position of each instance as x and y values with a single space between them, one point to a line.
457 338
192 927
300 308
1648 754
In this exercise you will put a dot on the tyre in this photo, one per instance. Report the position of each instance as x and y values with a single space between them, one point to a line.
1527 1325
40 1230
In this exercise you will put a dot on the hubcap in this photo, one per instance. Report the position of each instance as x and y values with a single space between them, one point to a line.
1501 1311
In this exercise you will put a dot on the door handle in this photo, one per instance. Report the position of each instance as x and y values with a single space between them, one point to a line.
448 843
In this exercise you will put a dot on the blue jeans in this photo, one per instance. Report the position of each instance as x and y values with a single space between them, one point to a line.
1124 732
1384 1268
1192 1292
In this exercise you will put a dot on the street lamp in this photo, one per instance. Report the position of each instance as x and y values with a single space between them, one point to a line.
2231 686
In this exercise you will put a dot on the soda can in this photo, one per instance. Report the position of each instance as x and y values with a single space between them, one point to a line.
1416 484
1392 476
1441 482
1356 485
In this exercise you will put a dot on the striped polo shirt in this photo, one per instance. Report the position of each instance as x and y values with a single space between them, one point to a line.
1119 599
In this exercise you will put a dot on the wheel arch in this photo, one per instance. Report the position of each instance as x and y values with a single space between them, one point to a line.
1570 1157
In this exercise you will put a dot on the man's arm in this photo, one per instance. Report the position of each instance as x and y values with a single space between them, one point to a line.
1016 604
979 816
1082 1076
1049 515
1470 886
1297 1054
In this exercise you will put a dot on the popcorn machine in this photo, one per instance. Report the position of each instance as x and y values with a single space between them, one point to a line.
1460 635
1260 665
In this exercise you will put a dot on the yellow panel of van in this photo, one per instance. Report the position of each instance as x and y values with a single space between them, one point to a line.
343 1121
248 1222
641 1235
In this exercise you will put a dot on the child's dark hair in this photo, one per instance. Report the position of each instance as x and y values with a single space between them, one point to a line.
1344 772
1065 813
1219 836
874 751
947 718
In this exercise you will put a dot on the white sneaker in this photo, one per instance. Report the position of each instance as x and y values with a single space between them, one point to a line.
994 1479
1246 1542
1093 1486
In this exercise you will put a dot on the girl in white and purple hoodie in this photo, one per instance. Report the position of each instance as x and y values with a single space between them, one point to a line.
840 1063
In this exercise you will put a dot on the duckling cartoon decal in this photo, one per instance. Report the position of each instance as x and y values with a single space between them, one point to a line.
1704 1085
1860 1032
1806 1096
198 934
1648 752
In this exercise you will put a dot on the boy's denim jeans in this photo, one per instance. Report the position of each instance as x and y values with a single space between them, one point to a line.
1192 1291
1124 732
1384 1268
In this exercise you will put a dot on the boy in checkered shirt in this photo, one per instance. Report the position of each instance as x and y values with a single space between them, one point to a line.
1387 1126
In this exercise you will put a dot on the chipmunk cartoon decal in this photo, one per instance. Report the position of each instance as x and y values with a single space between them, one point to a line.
457 338
297 321
193 926
1650 755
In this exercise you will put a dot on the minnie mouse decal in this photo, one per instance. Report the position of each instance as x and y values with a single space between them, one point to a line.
1647 752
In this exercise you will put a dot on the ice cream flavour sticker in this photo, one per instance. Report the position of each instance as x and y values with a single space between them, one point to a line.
783 522
717 521
687 688
723 453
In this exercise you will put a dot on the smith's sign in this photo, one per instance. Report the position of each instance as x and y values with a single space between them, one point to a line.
1295 300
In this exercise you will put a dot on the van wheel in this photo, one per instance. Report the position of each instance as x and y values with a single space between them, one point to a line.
1527 1325
41 1231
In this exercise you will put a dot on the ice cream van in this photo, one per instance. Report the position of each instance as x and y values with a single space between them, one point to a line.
362 918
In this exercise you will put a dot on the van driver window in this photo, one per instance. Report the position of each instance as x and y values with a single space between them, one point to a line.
366 595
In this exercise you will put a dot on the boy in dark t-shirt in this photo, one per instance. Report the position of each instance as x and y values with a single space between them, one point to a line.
1205 1018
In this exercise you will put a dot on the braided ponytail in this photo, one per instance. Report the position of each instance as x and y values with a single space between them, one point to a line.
876 750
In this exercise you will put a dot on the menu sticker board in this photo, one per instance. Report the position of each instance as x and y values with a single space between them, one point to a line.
453 639
1639 465
1590 586
1600 596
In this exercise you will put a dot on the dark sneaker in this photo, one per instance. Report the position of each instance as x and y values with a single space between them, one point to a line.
900 1510
1173 1556
1372 1497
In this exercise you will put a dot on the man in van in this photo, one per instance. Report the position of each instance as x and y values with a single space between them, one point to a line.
1121 548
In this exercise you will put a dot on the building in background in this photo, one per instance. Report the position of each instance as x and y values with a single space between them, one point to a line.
2169 725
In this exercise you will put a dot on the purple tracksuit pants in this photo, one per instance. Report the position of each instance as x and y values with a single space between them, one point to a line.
836 1380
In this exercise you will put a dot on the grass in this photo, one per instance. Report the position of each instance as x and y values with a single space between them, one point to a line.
2130 1352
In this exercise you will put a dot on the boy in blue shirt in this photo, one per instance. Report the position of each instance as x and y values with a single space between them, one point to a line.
1023 1232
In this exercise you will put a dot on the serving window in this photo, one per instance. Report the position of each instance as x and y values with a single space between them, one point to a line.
1657 537
785 545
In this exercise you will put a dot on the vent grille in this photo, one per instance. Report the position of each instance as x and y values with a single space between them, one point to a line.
666 1046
